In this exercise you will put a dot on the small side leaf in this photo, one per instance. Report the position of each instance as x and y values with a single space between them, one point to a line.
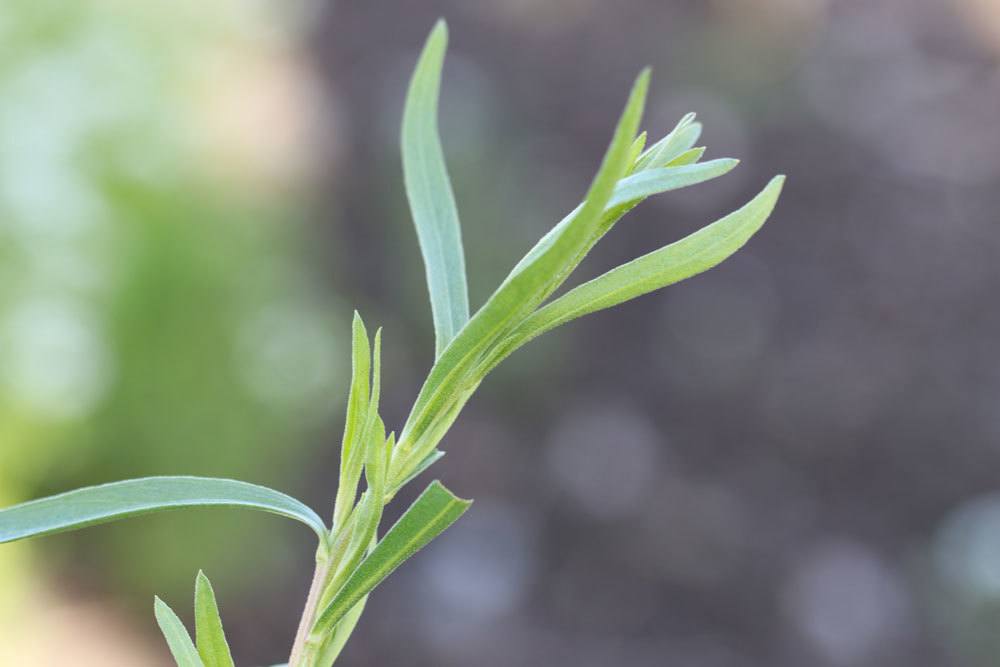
429 192
209 634
651 182
429 515
352 446
95 505
181 647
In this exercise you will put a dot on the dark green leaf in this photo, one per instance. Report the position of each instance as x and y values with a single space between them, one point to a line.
429 515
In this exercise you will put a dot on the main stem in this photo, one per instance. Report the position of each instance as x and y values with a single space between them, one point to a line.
320 576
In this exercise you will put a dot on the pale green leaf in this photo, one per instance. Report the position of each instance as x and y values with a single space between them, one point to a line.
429 515
629 191
690 256
636 149
689 156
679 140
181 647
429 192
522 291
643 184
352 448
109 502
209 634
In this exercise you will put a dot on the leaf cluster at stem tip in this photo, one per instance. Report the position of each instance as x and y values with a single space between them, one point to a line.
352 560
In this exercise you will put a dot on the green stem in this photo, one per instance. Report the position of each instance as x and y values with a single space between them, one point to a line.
320 576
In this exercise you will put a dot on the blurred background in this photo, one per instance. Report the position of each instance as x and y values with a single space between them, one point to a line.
791 460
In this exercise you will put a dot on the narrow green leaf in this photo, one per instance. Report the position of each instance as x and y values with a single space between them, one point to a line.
210 637
119 500
429 192
643 184
429 515
629 191
352 445
690 256
523 290
342 633
181 647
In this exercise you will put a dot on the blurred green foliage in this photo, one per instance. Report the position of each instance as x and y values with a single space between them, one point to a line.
153 317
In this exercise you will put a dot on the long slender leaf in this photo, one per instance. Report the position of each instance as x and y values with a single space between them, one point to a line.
119 500
521 292
429 515
210 637
181 647
690 256
429 192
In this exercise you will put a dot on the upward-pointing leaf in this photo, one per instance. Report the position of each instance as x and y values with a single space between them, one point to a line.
209 635
630 191
178 639
428 516
691 255
428 190
353 446
109 502
523 290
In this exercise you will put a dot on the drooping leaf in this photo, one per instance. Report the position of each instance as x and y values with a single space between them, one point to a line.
428 516
181 647
429 192
210 637
522 291
690 256
95 505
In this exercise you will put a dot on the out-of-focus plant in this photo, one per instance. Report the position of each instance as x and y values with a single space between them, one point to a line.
352 558
128 341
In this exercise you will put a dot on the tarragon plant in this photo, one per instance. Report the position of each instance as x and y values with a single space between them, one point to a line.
352 558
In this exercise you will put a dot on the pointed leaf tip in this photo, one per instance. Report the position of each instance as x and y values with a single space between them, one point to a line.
178 640
210 637
430 196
